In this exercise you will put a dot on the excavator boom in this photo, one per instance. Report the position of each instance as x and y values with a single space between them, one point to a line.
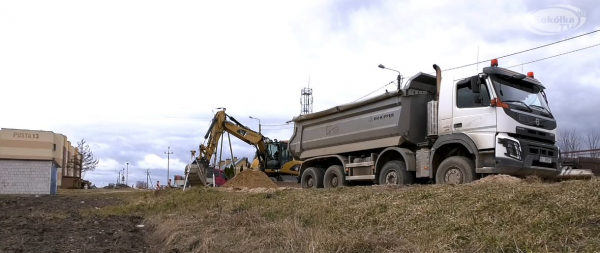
221 124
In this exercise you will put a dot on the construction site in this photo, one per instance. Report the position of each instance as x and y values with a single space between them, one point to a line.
449 156
349 179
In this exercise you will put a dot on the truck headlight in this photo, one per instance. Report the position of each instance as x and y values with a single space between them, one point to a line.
513 149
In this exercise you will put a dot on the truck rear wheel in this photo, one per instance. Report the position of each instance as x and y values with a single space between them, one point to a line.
394 173
455 170
312 178
334 177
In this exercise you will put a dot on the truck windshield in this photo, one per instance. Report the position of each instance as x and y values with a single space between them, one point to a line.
520 93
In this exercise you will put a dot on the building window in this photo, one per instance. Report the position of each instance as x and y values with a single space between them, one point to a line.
53 147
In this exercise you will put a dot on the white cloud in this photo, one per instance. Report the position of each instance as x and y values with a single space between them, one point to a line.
135 77
156 162
108 164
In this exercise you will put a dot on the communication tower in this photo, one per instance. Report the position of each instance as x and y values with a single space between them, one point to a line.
306 100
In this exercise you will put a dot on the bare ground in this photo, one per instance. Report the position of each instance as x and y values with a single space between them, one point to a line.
68 224
521 216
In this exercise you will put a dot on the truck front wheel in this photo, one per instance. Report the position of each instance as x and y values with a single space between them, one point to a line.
455 170
394 173
312 178
334 177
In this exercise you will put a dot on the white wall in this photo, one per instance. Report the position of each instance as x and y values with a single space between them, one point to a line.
25 177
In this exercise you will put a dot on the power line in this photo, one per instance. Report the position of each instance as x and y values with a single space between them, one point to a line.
545 58
375 90
527 50
279 128
146 118
277 125
555 55
523 51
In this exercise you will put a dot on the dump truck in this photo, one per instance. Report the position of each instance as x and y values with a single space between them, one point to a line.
494 122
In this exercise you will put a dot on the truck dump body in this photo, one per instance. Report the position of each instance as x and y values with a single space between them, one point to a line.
391 119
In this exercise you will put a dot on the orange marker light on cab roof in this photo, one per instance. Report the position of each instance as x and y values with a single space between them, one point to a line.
494 63
530 74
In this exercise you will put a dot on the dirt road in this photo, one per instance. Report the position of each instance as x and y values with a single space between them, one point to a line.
60 224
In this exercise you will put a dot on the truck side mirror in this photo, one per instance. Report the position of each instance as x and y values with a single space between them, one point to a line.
477 100
475 82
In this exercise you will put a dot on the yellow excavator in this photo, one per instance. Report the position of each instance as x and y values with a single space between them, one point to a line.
272 156
279 161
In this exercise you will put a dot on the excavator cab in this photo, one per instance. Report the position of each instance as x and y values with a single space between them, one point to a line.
277 154
279 160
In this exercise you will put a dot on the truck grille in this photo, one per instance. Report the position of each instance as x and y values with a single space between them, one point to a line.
545 165
536 150
542 151
532 134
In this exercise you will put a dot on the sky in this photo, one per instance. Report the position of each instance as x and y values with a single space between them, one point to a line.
133 78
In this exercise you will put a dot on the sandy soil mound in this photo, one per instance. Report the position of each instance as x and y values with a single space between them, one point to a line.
257 190
251 179
498 179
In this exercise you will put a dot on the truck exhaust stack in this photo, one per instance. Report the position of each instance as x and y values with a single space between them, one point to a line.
438 80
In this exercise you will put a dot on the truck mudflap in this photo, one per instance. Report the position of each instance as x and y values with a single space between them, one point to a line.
521 157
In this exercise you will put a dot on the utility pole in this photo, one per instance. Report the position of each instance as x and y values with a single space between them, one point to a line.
399 76
168 161
127 178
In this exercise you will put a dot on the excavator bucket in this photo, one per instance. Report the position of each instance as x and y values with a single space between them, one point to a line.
572 169
197 174
571 173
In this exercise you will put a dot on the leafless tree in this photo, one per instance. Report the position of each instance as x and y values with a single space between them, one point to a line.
569 139
86 162
593 141
141 185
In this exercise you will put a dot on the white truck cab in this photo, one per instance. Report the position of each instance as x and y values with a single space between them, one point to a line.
506 116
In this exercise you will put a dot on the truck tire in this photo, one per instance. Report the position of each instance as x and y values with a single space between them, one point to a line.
394 173
312 178
455 170
334 177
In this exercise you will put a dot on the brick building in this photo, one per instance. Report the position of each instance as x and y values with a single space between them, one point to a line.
37 162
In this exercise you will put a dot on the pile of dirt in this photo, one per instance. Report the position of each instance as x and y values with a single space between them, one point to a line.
498 179
250 179
257 190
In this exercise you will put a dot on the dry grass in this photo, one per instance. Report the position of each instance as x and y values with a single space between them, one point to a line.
73 192
491 217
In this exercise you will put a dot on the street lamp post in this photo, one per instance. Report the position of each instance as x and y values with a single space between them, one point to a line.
123 176
399 76
127 178
258 123
168 160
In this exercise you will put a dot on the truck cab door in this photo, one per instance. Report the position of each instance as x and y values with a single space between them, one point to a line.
472 113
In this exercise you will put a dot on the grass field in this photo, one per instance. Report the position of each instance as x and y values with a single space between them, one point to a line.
488 217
